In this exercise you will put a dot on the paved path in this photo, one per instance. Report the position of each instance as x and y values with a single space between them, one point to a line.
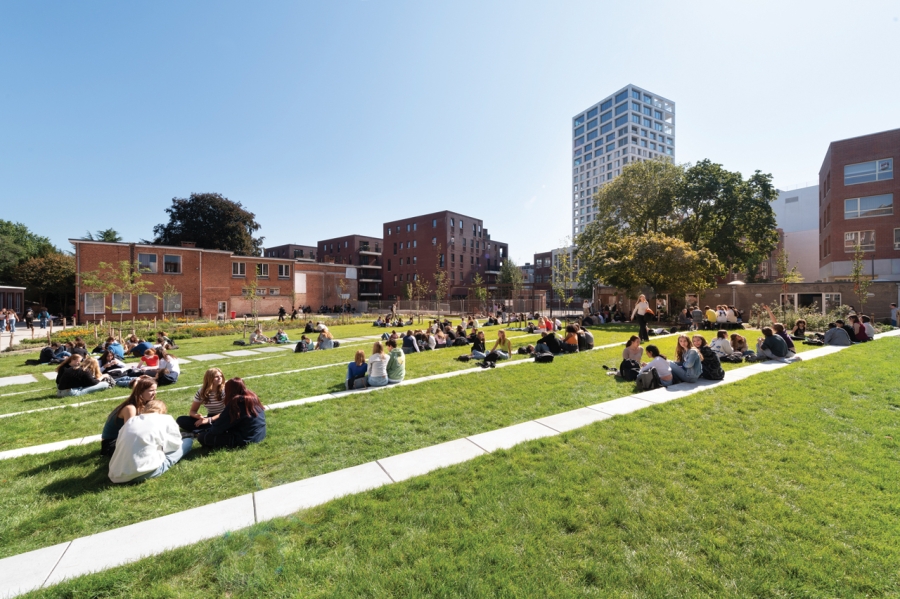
51 565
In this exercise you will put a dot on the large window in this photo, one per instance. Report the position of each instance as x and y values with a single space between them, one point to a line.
621 108
172 264
864 239
147 263
284 271
94 303
147 303
172 302
882 205
262 270
238 269
866 172
121 303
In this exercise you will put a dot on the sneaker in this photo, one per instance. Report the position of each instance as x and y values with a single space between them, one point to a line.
605 367
493 364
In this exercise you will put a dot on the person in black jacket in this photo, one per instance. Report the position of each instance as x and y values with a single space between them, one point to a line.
242 422
710 366
552 342
72 380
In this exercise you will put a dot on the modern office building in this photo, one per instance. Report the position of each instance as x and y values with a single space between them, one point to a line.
292 251
631 125
361 251
417 247
857 188
796 216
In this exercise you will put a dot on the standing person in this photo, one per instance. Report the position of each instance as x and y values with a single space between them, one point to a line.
11 318
893 315
2 320
281 313
377 371
640 311
242 422
29 319
396 366
210 395
147 446
44 315
142 391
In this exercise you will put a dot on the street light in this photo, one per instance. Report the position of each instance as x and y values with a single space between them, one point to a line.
734 285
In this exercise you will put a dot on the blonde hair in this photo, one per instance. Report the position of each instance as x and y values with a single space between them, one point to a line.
209 384
91 366
155 406
377 348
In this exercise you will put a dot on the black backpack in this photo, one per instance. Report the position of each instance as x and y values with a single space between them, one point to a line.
239 342
629 369
543 357
648 381
301 347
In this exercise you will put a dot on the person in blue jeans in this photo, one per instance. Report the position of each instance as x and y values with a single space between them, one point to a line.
687 366
242 422
148 445
73 380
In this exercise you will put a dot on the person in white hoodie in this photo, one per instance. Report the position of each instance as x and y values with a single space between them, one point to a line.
148 445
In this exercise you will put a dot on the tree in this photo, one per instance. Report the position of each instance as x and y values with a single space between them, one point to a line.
18 244
213 222
252 286
478 289
122 279
861 281
169 292
48 276
786 274
511 277
562 277
104 235
441 281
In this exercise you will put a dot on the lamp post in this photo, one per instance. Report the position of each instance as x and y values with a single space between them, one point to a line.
734 285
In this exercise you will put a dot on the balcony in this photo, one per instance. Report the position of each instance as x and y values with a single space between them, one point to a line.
370 294
366 249
491 272
370 281
378 266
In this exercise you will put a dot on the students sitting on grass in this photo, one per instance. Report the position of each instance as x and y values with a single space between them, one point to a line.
711 368
148 445
356 370
633 349
585 339
721 345
739 344
303 345
242 422
149 361
502 347
115 347
836 335
847 328
168 368
143 390
396 366
550 343
478 346
870 330
440 340
661 364
378 361
687 366
72 380
281 337
570 342
799 330
257 338
410 345
53 354
859 331
430 340
326 340
781 331
771 346
210 395
140 346
163 341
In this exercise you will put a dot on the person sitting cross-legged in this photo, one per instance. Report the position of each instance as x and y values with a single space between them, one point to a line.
242 422
836 335
356 370
662 366
771 346
148 445
396 366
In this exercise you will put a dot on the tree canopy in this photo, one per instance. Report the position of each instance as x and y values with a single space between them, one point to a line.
700 217
511 278
213 222
104 235
31 261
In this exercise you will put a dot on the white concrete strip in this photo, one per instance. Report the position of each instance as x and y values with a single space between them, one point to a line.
573 419
273 348
20 379
47 448
130 543
28 571
622 405
509 436
422 461
208 357
50 376
239 353
287 499
87 403
184 361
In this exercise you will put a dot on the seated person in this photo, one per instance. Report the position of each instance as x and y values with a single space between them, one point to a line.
710 315
356 369
697 317
309 327
739 345
168 370
782 332
430 341
396 366
731 316
257 338
326 340
633 350
585 339
148 444
721 315
799 330
111 365
711 368
302 345
502 347
164 342
440 340
570 342
53 354
140 347
130 342
78 347
720 345
478 349
378 322
242 421
688 365
551 341
149 361
73 380
836 335
661 364
867 324
115 347
410 345
377 371
281 337
143 390
684 319
847 328
210 395
771 346
321 327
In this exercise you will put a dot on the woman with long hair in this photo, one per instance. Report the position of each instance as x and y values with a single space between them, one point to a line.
143 390
377 371
710 366
74 380
356 370
148 445
687 366
640 315
633 349
168 368
478 350
502 347
210 395
242 422
570 341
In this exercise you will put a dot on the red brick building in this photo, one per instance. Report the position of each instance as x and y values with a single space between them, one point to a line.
543 270
362 252
190 281
857 188
459 244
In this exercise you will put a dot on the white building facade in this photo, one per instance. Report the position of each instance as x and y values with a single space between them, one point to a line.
797 215
630 125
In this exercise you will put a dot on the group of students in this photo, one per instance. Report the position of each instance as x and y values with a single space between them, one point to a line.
383 367
143 441
694 359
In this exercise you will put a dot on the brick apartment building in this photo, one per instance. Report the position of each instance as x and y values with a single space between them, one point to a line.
419 246
362 252
857 188
543 270
204 283
291 251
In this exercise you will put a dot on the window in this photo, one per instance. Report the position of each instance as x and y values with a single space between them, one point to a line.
121 303
865 240
262 270
401 261
605 116
453 258
433 222
441 261
592 124
172 303
389 265
451 222
261 291
389 230
897 239
471 259
147 263
415 243
592 113
147 303
238 269
284 271
635 107
172 264
881 205
408 227
621 120
866 172
606 105
579 119
274 291
94 303
460 224
434 241
414 259
592 135
621 108
621 96
579 130
635 94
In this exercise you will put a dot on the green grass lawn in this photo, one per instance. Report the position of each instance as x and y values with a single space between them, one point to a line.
781 485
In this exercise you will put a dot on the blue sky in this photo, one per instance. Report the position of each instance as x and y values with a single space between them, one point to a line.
329 118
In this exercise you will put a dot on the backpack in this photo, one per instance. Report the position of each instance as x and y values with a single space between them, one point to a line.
492 357
813 342
543 357
464 358
337 343
648 381
735 358
460 341
239 342
359 382
301 346
629 369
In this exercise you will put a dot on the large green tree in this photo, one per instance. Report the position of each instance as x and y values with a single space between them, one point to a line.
212 221
511 278
49 279
18 244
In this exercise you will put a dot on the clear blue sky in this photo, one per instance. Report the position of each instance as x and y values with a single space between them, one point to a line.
328 118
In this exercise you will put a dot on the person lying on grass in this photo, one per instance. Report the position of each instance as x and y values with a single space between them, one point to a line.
356 369
73 380
396 366
242 422
660 363
377 370
210 395
143 390
148 445
687 366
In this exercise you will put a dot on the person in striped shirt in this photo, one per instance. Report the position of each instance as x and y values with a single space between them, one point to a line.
211 395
